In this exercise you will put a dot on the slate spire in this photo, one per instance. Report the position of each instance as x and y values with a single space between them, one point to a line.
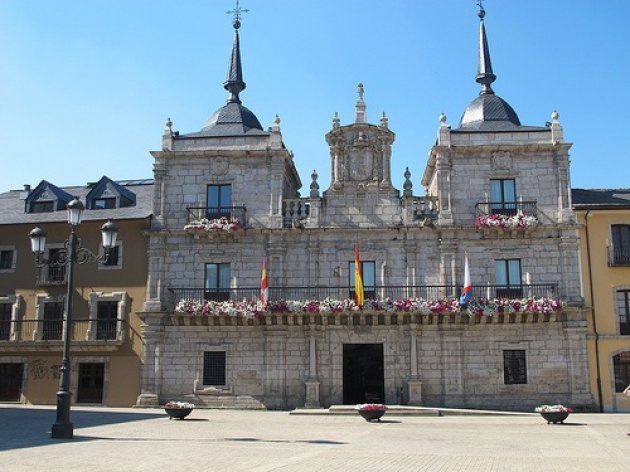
485 77
234 83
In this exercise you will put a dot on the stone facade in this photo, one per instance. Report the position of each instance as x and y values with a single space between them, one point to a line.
413 247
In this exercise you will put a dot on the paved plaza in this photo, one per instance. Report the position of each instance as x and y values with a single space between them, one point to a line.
260 441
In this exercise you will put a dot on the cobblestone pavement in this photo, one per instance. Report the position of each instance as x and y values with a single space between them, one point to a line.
134 439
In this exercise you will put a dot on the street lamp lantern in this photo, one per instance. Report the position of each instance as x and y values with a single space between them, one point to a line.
38 240
75 211
67 257
109 231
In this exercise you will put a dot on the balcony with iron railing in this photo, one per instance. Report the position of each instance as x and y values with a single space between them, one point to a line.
528 208
425 292
231 213
618 256
50 332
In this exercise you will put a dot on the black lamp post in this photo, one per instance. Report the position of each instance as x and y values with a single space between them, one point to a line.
72 252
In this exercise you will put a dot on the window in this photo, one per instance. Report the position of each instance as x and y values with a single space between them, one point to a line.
508 278
368 274
621 364
112 258
6 259
621 244
214 368
514 367
106 320
5 321
503 196
217 282
623 311
42 207
56 272
53 321
103 203
219 201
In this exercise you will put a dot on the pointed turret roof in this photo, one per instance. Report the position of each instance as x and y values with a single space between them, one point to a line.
488 112
232 119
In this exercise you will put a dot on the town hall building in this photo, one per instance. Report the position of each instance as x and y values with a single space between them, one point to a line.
228 217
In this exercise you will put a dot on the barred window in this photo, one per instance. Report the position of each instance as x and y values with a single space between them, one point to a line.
5 321
106 320
621 364
514 367
214 368
623 311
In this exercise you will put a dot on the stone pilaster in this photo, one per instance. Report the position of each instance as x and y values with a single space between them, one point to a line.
151 332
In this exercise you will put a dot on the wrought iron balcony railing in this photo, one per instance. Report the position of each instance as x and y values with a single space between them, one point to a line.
619 256
232 213
51 330
529 208
426 292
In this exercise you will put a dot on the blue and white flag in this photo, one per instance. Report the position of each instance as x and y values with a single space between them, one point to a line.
467 292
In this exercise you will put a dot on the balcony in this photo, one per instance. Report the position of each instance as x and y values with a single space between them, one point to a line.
506 215
220 218
51 275
295 211
619 256
529 208
38 333
379 293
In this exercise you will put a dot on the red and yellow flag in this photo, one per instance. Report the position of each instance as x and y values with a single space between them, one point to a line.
358 278
264 288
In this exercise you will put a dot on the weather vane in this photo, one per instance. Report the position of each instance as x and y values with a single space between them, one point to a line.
237 15
482 12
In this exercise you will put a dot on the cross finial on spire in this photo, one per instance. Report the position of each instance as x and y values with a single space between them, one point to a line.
482 12
236 22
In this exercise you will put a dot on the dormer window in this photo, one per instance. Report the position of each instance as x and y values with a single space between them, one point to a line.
103 203
42 207
45 198
107 194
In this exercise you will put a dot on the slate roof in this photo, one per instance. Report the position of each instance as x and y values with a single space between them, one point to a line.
606 198
12 205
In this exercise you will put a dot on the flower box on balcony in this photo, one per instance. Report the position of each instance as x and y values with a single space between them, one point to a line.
500 222
217 225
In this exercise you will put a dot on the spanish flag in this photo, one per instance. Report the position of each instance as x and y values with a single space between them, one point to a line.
264 288
358 278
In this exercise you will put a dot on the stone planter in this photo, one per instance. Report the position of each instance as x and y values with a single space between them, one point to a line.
554 416
178 413
371 415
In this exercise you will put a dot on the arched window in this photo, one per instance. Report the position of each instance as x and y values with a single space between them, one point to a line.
621 363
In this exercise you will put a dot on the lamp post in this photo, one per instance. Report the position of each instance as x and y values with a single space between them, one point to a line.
71 254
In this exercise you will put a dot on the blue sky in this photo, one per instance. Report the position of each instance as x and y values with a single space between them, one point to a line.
87 85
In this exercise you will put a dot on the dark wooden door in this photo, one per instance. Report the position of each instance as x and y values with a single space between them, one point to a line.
11 376
363 374
91 379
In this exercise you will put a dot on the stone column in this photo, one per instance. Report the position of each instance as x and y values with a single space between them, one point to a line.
312 383
414 384
443 176
151 332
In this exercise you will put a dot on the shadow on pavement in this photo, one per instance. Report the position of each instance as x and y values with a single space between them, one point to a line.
312 441
29 427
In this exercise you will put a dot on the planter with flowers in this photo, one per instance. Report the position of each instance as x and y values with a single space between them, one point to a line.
554 413
206 225
178 410
477 306
498 221
371 411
